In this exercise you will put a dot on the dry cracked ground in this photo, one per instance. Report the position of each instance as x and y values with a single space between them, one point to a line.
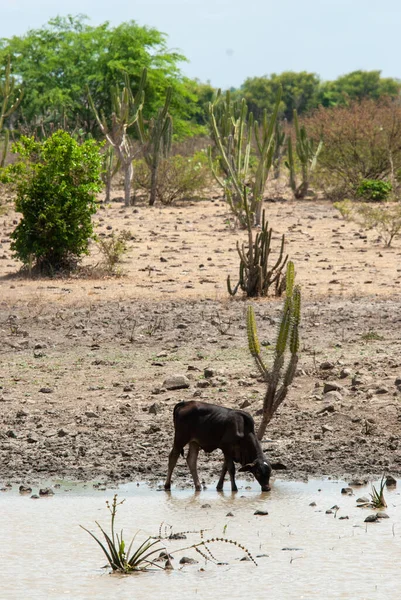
86 362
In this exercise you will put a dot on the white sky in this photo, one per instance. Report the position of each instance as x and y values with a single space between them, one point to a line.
227 41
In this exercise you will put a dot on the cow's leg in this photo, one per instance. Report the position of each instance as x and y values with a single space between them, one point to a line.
220 483
192 458
231 471
172 461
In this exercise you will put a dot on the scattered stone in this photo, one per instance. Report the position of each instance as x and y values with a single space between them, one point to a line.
362 500
391 481
203 383
291 549
343 518
348 491
62 433
357 482
46 492
245 404
208 372
371 518
333 395
327 429
205 506
326 409
244 558
154 408
34 497
24 489
22 413
382 515
182 326
91 414
327 365
11 434
332 386
345 373
46 390
186 560
31 439
176 382
329 511
261 513
229 514
312 504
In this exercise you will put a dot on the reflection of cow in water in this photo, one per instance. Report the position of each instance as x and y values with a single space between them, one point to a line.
208 427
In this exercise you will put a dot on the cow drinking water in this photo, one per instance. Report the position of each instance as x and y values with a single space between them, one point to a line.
208 427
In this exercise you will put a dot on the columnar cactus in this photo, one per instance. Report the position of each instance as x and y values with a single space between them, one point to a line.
10 99
256 275
156 141
233 130
125 113
279 377
307 156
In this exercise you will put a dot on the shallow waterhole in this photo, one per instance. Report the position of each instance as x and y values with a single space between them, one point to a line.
307 553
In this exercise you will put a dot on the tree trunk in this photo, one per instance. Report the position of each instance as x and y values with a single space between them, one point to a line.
153 184
127 182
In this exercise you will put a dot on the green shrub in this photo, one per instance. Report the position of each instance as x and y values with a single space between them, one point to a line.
385 219
374 190
56 181
345 209
179 177
113 249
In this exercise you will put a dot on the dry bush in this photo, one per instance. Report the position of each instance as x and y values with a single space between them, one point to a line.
386 219
180 178
362 141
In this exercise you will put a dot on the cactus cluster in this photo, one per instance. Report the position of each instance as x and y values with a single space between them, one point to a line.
256 275
10 99
156 141
279 377
234 131
307 155
125 113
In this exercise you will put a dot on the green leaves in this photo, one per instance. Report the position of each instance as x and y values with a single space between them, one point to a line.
56 182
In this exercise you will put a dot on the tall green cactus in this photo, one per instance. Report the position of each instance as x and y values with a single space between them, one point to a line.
125 113
279 145
156 141
307 156
279 377
233 131
10 99
256 275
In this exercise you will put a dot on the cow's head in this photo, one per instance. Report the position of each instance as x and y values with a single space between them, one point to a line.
261 470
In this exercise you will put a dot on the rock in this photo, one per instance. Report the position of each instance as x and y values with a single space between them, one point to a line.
261 513
154 408
46 492
333 396
34 497
208 372
182 326
205 506
46 390
229 514
177 536
329 408
332 386
382 515
327 429
326 366
11 434
345 373
390 481
245 404
343 518
371 518
291 549
176 382
381 389
362 500
312 504
62 433
348 491
22 413
186 560
244 558
203 383
397 383
31 439
91 414
357 482
24 489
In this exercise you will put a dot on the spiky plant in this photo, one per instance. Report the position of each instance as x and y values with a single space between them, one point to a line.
279 377
256 274
120 558
378 500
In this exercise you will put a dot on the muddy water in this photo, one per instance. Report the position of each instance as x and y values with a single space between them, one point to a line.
307 553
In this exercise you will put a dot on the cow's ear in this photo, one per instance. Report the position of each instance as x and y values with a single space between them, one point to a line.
247 467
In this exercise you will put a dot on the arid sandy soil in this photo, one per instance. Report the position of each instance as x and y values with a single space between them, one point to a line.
84 360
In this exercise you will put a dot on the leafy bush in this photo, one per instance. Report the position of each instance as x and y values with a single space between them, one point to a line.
56 181
345 209
362 141
374 190
179 177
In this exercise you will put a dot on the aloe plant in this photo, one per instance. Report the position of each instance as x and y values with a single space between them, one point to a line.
125 113
279 377
119 557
